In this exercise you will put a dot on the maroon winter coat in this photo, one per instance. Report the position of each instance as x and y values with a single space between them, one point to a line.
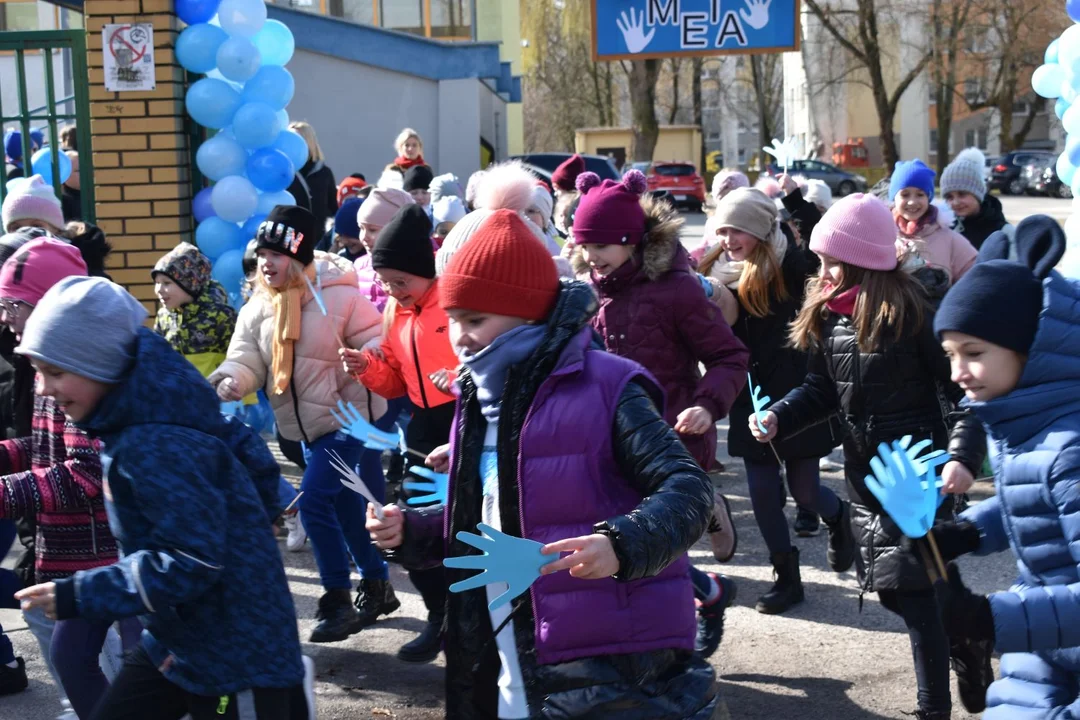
654 311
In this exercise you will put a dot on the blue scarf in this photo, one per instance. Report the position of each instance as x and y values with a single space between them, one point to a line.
489 366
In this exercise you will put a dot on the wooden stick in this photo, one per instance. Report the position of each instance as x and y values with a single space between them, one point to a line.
927 562
776 455
937 556
293 503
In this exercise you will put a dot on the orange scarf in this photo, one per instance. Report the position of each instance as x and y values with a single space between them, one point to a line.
288 305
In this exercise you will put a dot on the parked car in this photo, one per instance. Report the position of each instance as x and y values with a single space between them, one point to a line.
1050 184
1033 172
549 161
841 182
682 182
1007 175
988 168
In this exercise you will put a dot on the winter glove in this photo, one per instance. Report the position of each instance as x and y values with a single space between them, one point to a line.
964 614
953 540
705 285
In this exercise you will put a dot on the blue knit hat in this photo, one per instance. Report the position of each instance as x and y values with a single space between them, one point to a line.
912 174
1000 300
345 221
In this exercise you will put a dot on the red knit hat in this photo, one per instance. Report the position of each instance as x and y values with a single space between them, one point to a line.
566 174
503 270
348 188
610 212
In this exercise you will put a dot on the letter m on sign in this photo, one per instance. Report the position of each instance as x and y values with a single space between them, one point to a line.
663 12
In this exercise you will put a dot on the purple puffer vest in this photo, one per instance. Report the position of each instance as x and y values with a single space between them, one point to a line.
568 481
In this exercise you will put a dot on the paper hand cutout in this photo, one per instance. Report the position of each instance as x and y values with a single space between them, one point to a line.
759 402
351 480
437 486
512 560
353 423
317 295
783 151
633 31
906 484
758 15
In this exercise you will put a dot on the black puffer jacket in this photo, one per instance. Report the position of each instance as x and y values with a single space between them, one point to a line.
658 685
315 189
901 389
978 227
777 368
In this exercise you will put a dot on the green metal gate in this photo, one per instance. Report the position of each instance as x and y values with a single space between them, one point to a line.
56 111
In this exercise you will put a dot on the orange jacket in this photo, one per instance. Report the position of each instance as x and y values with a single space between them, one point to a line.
417 344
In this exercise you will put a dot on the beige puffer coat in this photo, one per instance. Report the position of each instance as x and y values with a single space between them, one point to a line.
318 376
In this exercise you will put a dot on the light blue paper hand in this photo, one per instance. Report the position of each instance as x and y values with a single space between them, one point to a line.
759 402
906 484
317 295
633 31
512 560
758 15
437 486
353 423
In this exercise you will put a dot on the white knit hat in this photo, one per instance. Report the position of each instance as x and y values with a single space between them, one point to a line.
542 201
31 199
448 208
965 173
818 192
445 186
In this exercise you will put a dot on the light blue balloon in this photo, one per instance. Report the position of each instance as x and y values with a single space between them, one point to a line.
272 85
283 118
41 162
275 42
229 270
197 47
1075 185
220 157
294 147
1066 170
268 201
1071 119
234 199
215 236
251 227
1047 80
238 59
242 18
1072 150
212 103
1060 107
1051 55
256 125
270 170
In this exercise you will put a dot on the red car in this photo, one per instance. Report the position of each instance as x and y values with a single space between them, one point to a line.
681 181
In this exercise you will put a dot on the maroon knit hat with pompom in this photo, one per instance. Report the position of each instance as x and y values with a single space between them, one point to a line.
610 212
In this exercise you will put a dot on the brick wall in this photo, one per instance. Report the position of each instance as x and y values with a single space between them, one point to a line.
142 173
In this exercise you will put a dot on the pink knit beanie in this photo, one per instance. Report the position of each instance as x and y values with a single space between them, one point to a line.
610 212
37 266
858 230
381 206
32 199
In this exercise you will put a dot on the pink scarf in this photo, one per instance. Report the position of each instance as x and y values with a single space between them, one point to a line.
844 303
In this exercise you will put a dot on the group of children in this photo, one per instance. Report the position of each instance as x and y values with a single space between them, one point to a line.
572 395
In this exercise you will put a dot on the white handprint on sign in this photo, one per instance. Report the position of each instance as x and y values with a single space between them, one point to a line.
758 15
633 31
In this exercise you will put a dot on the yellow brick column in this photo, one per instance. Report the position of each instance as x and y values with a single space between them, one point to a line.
142 173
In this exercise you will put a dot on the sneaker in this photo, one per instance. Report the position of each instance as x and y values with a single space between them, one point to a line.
297 534
309 685
807 523
710 622
971 662
375 598
722 534
13 679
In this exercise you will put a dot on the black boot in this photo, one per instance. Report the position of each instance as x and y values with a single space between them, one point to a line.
375 598
971 662
841 553
425 646
13 680
930 715
337 617
806 522
788 589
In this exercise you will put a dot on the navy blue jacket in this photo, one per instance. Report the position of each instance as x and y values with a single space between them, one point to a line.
1035 451
190 495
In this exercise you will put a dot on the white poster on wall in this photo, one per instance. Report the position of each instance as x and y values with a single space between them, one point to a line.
129 57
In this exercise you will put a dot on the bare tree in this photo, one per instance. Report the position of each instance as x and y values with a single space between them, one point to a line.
948 20
643 76
858 31
697 68
767 81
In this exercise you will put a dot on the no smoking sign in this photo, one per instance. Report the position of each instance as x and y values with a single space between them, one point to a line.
129 57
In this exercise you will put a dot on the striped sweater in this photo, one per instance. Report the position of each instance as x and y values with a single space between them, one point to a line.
54 477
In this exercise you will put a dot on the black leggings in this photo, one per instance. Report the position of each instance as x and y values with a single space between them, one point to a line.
140 686
767 497
929 645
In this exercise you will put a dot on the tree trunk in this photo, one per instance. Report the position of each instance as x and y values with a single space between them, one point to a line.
698 67
646 131
761 97
1036 105
676 71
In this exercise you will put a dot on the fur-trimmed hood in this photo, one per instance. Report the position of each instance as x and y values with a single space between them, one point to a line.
660 250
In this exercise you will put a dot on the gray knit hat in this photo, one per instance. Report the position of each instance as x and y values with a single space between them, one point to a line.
56 331
965 173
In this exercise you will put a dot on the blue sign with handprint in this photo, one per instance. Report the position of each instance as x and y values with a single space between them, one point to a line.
640 29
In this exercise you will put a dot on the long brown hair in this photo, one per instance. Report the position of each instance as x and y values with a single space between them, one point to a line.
890 302
761 277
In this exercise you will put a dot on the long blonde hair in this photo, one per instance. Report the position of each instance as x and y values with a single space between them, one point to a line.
307 132
761 277
889 302
293 270
403 136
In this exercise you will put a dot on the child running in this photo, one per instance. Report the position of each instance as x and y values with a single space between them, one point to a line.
415 348
653 311
874 361
759 279
1012 332
191 496
560 443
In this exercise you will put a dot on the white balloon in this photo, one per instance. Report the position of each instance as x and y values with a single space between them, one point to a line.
1069 46
1046 80
1071 119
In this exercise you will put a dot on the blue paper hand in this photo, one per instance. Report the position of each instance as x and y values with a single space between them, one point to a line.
512 560
437 486
353 423
317 295
759 402
906 484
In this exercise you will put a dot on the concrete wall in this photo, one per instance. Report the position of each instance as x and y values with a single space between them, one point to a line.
500 21
680 143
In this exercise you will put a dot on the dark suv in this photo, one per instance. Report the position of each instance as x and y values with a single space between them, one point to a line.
1007 174
602 166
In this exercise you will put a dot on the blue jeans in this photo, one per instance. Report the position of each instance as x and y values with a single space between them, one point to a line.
334 516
